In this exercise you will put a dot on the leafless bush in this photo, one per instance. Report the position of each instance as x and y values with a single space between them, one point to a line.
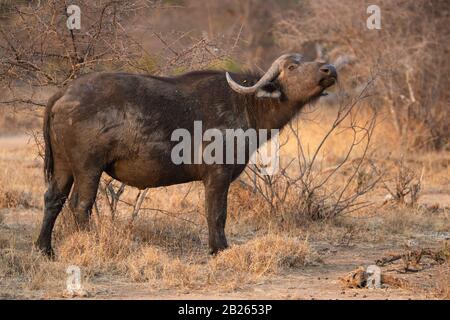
304 189
111 195
38 53
408 183
410 48
14 198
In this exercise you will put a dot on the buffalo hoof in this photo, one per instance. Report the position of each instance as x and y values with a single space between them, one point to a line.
216 249
82 223
46 251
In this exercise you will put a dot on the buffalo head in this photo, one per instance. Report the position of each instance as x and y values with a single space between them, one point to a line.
291 77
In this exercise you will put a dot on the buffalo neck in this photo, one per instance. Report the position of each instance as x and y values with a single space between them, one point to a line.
267 113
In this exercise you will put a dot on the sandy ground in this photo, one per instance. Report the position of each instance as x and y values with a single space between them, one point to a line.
319 281
312 282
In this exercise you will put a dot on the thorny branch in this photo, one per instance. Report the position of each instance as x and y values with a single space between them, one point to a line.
302 187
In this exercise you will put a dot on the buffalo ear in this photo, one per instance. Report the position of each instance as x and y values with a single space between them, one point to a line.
269 90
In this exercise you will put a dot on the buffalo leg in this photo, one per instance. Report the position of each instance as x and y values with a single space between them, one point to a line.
83 197
54 199
216 213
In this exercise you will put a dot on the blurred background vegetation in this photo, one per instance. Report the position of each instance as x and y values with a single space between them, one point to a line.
38 53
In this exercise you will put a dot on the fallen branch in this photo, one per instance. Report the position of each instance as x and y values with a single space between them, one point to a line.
413 257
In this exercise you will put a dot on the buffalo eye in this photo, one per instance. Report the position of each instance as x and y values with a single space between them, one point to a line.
292 66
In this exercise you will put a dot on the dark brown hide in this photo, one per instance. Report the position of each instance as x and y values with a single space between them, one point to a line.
122 123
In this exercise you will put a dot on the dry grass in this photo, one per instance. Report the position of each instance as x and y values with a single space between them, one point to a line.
100 250
264 255
153 265
235 267
165 247
439 288
20 188
163 250
110 251
414 221
15 198
442 287
34 271
178 236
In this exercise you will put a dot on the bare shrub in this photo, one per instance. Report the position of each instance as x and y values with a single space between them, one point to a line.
248 208
40 53
303 189
112 195
410 49
407 184
14 198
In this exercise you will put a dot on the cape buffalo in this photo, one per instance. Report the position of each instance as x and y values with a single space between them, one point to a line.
121 124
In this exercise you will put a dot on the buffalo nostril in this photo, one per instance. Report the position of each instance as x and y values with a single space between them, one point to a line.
326 70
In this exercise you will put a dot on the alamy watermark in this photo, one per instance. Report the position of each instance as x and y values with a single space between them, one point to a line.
73 281
227 146
74 18
373 277
374 20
